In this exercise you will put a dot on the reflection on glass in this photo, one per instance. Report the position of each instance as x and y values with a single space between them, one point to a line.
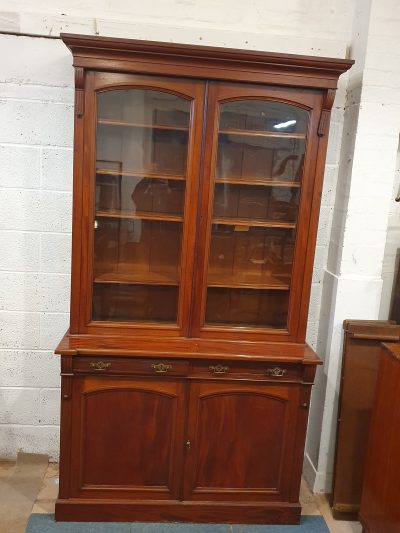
253 202
263 116
260 256
136 249
261 140
261 147
139 195
135 303
247 307
142 131
260 158
142 138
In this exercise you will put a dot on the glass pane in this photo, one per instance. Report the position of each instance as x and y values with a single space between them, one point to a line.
258 173
257 256
139 195
256 203
259 158
247 307
141 152
135 303
263 116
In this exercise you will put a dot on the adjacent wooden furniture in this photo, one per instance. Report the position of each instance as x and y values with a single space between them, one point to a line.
395 300
185 374
361 349
380 509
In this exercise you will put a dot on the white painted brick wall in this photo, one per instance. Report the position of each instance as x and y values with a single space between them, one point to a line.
20 167
36 117
353 278
36 121
392 246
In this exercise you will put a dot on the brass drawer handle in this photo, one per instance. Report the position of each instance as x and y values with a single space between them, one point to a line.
161 368
99 365
218 369
276 372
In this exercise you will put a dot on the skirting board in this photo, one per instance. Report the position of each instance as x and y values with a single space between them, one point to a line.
133 511
319 482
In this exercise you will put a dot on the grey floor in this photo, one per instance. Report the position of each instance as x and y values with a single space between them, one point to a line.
29 487
44 523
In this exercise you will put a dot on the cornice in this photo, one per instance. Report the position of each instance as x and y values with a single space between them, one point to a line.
123 55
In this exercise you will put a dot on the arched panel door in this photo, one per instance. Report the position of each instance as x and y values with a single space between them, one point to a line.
258 193
127 438
240 441
141 201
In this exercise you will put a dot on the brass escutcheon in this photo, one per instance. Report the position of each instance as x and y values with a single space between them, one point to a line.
100 365
276 372
218 369
161 368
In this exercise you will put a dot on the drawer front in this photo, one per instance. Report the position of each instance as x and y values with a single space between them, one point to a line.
262 371
122 366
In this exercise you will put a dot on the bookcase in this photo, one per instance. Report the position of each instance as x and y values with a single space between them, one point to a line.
185 374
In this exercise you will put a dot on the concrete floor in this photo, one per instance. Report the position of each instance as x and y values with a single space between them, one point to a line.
31 486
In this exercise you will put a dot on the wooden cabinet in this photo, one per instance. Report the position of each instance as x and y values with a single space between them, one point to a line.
241 441
380 511
119 447
361 350
185 373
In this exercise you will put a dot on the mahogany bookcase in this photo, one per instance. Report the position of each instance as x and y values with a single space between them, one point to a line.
185 374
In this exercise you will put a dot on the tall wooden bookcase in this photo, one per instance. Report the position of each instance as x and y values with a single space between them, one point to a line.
185 374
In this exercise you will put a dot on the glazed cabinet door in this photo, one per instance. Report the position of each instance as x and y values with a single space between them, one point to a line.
127 438
141 169
257 197
240 441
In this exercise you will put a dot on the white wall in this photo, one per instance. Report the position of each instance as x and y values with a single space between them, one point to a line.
36 125
36 121
392 249
353 281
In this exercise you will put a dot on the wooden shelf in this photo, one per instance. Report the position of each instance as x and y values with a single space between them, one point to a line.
140 216
247 281
138 278
150 175
259 182
109 122
255 133
251 222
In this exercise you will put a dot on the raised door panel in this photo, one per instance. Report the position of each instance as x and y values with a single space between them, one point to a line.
380 511
257 197
127 438
240 441
141 167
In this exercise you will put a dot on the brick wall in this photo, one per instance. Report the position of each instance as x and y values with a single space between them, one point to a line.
353 285
392 256
36 120
36 128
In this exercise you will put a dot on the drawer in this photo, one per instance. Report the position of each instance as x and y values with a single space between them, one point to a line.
119 365
261 371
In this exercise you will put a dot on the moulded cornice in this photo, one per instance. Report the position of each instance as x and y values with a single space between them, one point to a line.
128 55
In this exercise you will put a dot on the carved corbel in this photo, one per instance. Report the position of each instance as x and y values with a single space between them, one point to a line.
326 111
79 91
